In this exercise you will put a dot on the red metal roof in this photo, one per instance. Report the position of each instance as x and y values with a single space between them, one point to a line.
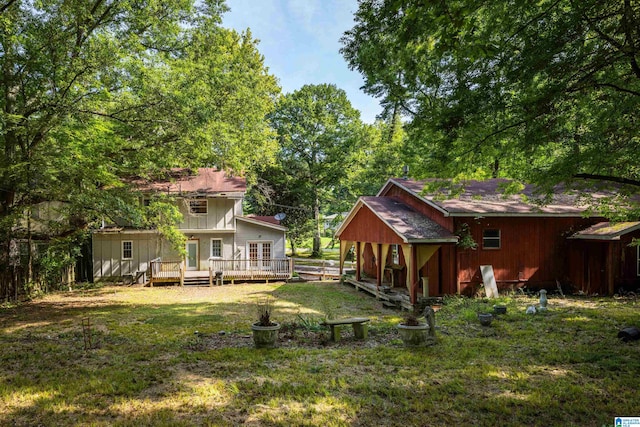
409 224
204 181
492 197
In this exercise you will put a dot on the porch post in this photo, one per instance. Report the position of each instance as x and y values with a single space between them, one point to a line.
414 275
358 262
380 268
610 271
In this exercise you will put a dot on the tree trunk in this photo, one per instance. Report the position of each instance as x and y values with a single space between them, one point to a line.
317 250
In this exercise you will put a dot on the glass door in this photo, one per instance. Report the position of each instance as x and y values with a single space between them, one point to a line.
192 254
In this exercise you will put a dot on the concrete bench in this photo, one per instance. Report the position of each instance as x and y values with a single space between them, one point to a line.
359 324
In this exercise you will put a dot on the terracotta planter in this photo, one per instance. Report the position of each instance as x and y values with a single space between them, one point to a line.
265 336
414 336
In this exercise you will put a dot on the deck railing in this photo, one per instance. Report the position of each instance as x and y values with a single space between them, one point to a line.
250 269
165 271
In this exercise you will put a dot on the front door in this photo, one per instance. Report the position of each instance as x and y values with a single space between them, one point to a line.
192 254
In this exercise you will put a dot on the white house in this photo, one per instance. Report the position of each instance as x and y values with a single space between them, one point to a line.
219 237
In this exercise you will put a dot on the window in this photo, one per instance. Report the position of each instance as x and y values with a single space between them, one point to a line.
491 239
198 206
216 248
127 249
638 259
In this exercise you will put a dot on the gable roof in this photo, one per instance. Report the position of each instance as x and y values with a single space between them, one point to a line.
205 181
489 198
410 225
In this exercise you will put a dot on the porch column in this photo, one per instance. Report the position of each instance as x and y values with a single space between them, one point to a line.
380 263
409 259
610 273
358 261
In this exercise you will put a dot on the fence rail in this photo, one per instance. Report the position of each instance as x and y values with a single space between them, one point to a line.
251 269
165 271
320 268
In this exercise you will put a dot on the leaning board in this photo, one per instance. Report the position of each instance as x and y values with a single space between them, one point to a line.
489 280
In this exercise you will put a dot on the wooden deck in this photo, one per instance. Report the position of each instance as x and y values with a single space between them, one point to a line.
174 272
396 297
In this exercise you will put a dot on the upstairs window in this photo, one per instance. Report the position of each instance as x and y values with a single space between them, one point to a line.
198 207
127 249
491 238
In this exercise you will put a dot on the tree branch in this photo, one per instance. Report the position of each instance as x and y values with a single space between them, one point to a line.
7 5
608 178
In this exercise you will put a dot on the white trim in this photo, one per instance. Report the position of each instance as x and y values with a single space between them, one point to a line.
262 223
122 242
347 219
206 230
393 181
362 202
221 256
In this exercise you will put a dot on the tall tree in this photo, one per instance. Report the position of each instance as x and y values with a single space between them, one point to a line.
544 91
318 131
96 92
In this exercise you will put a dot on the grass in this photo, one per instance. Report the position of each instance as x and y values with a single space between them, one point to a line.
183 356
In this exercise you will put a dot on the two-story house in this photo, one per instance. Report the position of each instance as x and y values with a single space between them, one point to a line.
219 237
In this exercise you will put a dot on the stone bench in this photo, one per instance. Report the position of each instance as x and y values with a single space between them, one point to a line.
359 324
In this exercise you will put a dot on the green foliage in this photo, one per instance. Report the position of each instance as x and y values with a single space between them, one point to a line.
94 94
538 91
318 133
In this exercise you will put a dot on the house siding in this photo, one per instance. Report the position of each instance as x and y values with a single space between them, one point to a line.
219 216
533 250
367 227
248 232
107 253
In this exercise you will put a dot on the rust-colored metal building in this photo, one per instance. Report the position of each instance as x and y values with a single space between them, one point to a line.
433 243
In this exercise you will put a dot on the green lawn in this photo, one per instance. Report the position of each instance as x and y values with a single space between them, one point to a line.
183 356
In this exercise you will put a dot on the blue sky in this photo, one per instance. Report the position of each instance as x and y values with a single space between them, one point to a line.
300 42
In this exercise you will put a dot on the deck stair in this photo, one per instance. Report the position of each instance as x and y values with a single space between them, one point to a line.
196 280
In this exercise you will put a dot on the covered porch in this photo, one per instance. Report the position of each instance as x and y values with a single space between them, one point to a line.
391 244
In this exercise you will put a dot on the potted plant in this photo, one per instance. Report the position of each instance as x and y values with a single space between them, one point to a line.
265 331
415 333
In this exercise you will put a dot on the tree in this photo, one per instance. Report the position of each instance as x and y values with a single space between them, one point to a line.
541 91
318 131
97 92
278 191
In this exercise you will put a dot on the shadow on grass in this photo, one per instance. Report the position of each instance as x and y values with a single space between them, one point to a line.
150 367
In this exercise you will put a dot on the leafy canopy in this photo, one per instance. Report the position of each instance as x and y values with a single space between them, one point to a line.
542 91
